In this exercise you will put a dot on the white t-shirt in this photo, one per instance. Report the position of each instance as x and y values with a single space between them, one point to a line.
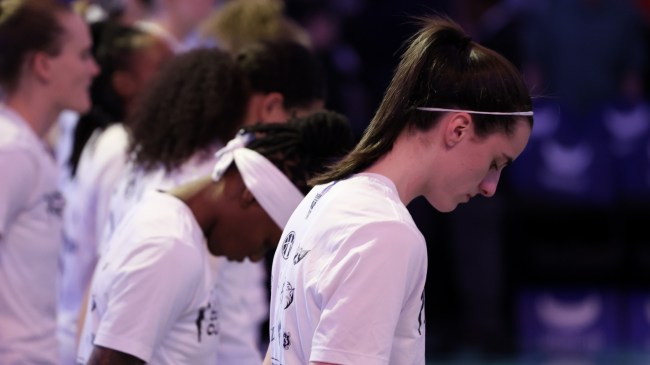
30 241
243 289
347 284
133 182
154 295
100 164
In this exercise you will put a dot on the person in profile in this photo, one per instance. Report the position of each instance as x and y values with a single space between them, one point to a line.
348 277
45 67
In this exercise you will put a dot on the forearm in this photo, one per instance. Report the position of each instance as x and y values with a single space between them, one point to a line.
105 356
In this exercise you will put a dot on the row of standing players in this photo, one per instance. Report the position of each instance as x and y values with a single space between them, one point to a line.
144 293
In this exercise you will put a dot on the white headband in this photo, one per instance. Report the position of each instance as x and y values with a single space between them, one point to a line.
270 187
526 114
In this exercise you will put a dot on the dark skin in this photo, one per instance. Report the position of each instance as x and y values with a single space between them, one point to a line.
105 356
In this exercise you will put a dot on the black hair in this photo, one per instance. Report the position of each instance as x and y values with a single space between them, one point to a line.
304 147
286 67
197 100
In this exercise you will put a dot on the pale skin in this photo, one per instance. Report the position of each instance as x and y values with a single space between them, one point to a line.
48 84
448 165
456 164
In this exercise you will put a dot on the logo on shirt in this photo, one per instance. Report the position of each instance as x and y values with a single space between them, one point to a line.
317 198
286 340
286 336
55 203
288 244
313 204
206 319
300 255
287 294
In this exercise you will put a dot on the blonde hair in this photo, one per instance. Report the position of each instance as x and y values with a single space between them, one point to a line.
239 23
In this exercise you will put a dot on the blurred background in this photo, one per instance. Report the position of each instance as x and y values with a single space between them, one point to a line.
555 269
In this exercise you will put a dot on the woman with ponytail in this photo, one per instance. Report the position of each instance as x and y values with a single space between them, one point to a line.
45 67
154 296
348 276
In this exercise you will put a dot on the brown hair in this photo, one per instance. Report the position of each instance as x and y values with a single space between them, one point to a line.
441 67
27 26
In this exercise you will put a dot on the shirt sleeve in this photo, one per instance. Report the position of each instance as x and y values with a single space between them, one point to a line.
147 295
376 275
17 175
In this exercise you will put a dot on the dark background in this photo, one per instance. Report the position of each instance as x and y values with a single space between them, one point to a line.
569 215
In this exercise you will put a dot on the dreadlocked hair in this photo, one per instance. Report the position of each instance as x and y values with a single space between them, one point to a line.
304 147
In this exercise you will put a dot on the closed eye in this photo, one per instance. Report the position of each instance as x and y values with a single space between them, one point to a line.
496 166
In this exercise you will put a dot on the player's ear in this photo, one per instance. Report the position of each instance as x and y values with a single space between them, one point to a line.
247 198
458 126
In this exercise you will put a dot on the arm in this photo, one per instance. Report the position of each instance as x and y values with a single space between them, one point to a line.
82 314
106 356
267 358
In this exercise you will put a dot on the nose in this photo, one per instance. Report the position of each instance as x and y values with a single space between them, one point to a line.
488 186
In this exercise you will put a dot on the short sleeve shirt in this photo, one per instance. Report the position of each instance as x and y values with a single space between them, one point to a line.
153 295
348 277
30 240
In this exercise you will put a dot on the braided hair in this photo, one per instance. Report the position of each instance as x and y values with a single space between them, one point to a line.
304 147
